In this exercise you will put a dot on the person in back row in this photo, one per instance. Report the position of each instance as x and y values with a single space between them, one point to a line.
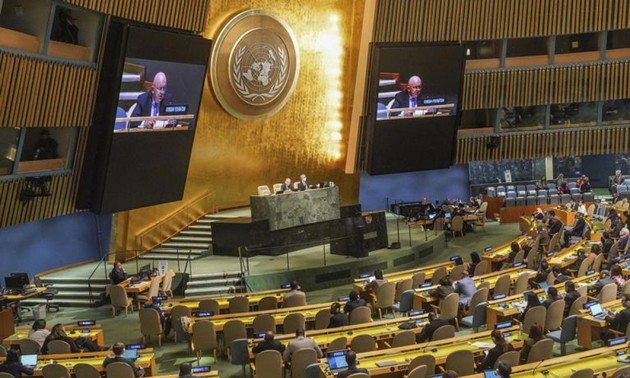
268 343
294 295
429 329
118 349
351 359
77 345
353 303
39 332
300 342
337 318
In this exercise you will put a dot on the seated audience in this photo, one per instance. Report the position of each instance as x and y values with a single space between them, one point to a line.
560 276
337 318
532 301
378 280
118 349
618 321
39 332
443 289
541 275
474 260
296 291
12 365
552 296
465 287
300 342
118 274
500 346
570 295
604 279
504 369
536 333
77 345
353 303
268 343
617 276
429 329
351 359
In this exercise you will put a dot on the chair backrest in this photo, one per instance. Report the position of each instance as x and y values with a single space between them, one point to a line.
402 286
150 322
154 289
268 364
418 372
234 329
583 267
277 188
209 305
541 350
406 301
456 272
418 279
479 316
551 278
520 256
438 274
360 315
481 268
449 307
55 371
569 329
338 344
313 370
6 375
583 373
28 346
621 371
577 305
178 311
484 285
300 359
167 282
555 313
359 375
502 286
3 351
461 361
512 357
292 322
424 359
59 347
294 301
535 315
608 293
240 352
264 323
82 370
118 296
597 264
481 295
443 332
521 283
238 304
263 190
403 338
204 336
457 224
322 318
385 294
119 370
363 343
268 303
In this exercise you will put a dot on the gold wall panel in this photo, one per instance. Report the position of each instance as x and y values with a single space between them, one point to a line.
231 157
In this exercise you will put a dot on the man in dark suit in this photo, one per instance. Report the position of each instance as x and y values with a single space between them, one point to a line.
268 343
151 103
409 97
302 184
619 322
351 359
576 230
353 303
286 185
429 329
119 349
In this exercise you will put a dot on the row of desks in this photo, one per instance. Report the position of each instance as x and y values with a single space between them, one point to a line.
94 332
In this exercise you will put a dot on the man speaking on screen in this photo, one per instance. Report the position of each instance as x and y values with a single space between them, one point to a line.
409 99
151 103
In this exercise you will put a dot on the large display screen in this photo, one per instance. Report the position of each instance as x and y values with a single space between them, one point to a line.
144 122
413 107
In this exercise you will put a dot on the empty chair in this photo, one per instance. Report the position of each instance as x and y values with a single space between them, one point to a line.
418 279
240 353
541 350
263 190
119 299
167 283
57 371
264 323
176 324
204 338
502 286
150 324
457 225
406 302
437 275
83 370
461 361
478 317
360 315
269 364
154 290
521 283
404 338
363 343
583 373
209 305
385 297
28 346
6 375
423 359
512 357
313 370
402 286
338 344
555 313
238 304
322 319
418 372
268 303
232 330
535 315
565 334
292 322
300 360
359 375
59 347
118 370
481 268
443 332
456 272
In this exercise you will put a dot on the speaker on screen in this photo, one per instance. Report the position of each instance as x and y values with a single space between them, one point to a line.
413 107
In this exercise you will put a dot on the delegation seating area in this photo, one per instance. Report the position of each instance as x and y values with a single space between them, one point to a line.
528 195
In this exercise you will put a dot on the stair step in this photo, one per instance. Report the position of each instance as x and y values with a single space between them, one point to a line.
62 302
206 221
79 286
212 283
186 246
201 233
200 227
209 290
192 239
216 275
174 251
172 257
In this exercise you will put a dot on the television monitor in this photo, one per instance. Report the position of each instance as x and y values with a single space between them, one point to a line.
14 283
137 155
23 276
412 110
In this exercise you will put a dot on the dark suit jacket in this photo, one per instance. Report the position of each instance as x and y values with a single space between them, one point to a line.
429 329
350 371
16 369
620 321
268 345
442 291
117 276
491 358
569 298
578 228
401 100
302 186
351 305
138 371
143 106
286 187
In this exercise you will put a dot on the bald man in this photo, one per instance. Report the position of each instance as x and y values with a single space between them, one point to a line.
409 98
151 103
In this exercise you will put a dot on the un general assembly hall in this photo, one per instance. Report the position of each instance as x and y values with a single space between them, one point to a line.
319 189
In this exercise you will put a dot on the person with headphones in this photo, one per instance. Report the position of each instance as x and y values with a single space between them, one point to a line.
337 318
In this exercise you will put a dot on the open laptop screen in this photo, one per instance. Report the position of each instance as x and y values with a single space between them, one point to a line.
28 359
337 361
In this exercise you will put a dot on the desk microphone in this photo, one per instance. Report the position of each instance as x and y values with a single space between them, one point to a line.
536 367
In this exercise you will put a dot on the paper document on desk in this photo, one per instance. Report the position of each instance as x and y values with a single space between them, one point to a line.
481 344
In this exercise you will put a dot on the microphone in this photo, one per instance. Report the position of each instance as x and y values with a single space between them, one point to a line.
536 367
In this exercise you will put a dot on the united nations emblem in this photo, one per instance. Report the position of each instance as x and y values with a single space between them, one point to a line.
255 64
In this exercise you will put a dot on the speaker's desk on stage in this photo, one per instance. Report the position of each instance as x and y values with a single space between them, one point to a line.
296 208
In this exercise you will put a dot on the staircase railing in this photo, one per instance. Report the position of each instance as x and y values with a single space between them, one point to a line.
175 222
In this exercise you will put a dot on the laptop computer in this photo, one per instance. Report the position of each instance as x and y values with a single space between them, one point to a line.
628 264
130 354
544 285
597 311
491 374
447 215
29 359
337 361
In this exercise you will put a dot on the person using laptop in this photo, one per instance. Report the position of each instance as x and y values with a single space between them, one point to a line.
351 359
552 296
268 343
532 301
119 349
619 321
560 276
14 366
354 302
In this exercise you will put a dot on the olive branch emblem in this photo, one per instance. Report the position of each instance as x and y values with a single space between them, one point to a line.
242 88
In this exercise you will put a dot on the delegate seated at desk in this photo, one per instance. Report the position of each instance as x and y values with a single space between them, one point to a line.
409 98
118 273
151 103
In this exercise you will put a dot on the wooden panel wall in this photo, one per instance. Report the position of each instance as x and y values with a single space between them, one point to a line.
187 15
